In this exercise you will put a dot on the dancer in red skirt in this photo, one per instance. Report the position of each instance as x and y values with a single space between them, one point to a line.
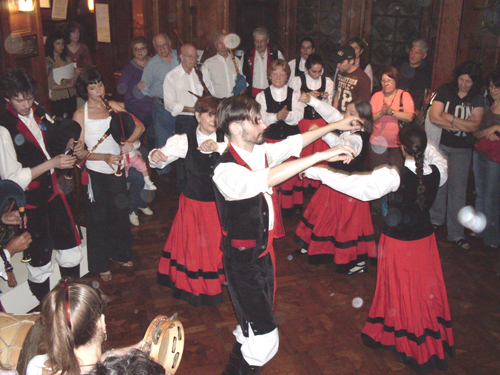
281 112
191 261
410 312
314 82
336 227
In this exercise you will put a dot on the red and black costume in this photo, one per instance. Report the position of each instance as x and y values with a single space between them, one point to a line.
336 227
191 261
410 312
290 192
50 221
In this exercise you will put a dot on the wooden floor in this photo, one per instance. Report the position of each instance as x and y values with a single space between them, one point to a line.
319 327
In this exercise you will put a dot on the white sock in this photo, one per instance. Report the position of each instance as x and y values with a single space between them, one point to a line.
147 180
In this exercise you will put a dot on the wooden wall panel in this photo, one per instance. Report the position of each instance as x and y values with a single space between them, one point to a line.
447 42
15 26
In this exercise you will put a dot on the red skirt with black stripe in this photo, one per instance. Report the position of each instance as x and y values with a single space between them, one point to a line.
410 312
314 147
290 192
336 228
191 261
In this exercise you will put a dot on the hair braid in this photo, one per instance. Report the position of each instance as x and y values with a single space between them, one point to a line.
419 164
414 141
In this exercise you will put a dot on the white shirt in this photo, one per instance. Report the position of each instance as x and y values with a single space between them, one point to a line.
259 79
370 186
351 139
219 75
176 89
291 64
10 168
37 364
94 130
279 95
325 110
236 182
177 147
313 84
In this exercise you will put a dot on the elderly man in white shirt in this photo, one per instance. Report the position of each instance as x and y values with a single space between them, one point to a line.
219 72
180 90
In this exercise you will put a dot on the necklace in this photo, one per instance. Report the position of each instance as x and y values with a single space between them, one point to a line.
393 97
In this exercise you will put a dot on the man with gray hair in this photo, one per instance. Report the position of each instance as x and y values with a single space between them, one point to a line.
219 72
152 85
416 72
256 61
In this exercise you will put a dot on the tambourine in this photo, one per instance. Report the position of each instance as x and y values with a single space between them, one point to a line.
164 342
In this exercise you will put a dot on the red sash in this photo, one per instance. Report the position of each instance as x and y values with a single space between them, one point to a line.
23 129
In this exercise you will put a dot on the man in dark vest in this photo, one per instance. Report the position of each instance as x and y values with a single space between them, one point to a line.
24 159
256 61
245 176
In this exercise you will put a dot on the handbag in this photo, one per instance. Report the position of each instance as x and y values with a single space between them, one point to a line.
402 123
421 117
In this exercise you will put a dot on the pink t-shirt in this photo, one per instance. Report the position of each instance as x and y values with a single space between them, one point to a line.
386 129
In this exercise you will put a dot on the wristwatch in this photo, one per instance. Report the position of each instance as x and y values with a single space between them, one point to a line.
392 112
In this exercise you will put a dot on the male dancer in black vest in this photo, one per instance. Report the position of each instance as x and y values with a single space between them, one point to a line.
24 159
248 208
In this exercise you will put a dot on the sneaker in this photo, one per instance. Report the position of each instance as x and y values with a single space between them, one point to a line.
149 185
358 268
134 219
146 211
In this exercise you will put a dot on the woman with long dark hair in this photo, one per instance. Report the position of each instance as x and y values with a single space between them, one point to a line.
62 93
340 231
77 50
316 84
297 65
456 113
410 312
486 164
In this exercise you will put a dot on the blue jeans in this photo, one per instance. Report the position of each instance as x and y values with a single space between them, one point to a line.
450 197
135 199
164 125
487 178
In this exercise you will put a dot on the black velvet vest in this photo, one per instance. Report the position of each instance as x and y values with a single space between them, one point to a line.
280 129
246 219
200 169
298 72
309 112
358 164
405 220
40 190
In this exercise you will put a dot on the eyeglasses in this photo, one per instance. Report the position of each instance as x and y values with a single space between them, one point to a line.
158 47
493 87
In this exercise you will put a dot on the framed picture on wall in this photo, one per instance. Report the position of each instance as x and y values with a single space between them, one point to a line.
59 9
44 3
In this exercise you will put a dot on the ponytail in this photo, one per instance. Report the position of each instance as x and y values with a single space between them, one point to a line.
70 314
